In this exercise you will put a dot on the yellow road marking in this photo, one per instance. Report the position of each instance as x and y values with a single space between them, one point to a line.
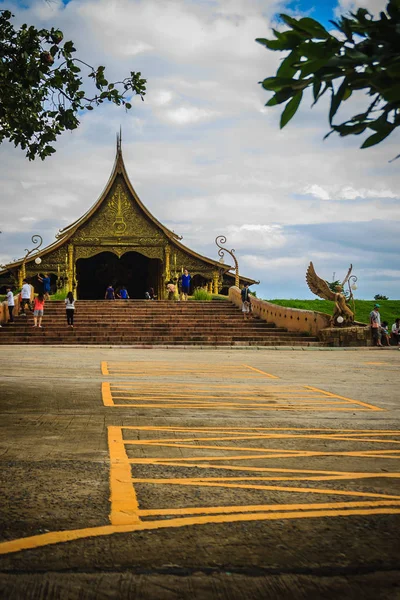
262 372
124 504
126 514
104 368
264 507
56 537
370 406
106 394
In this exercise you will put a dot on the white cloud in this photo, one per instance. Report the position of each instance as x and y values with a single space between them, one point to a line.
185 115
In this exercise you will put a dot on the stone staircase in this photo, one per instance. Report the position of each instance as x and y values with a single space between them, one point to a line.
145 323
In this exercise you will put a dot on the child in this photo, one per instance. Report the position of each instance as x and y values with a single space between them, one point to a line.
70 309
385 334
38 308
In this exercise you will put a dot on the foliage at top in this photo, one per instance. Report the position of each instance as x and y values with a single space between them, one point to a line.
381 297
365 56
41 87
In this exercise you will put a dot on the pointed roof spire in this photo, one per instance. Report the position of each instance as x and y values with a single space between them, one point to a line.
119 141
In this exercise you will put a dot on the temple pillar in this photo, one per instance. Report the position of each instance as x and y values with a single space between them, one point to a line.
167 271
70 268
21 275
215 282
210 287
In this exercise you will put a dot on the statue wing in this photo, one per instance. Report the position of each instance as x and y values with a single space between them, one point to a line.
318 286
345 280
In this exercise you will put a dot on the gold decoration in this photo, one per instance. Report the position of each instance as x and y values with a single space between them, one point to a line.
119 205
320 288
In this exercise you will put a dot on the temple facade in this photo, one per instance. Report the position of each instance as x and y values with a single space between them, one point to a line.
118 242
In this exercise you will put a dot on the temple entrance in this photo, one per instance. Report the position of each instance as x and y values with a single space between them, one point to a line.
133 270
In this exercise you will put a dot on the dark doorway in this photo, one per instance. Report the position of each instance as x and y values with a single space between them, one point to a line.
133 270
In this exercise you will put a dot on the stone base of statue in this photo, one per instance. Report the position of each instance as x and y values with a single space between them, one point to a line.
342 337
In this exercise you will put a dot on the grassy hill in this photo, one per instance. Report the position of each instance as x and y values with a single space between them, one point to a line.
390 309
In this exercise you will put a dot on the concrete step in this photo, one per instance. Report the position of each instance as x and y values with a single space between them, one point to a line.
147 323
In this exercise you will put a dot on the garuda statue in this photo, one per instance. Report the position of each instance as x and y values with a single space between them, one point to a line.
320 288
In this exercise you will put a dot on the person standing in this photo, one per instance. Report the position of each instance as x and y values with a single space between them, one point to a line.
46 284
10 304
70 309
38 309
186 279
123 293
110 294
246 305
375 322
25 297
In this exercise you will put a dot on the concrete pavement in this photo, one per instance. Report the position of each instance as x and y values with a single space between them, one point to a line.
133 473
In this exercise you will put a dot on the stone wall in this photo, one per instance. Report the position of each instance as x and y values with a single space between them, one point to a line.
338 337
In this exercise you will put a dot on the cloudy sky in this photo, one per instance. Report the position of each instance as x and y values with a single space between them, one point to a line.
204 154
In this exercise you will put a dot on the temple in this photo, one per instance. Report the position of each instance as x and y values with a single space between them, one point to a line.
119 242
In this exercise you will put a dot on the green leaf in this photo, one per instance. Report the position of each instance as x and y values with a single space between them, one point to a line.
376 138
337 99
287 69
290 109
313 28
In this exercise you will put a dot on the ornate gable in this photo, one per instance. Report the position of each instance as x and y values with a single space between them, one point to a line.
119 219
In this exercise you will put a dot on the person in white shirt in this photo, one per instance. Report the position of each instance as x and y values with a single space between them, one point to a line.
25 297
11 304
396 332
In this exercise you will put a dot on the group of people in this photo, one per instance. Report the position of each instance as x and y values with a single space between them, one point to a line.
111 294
37 306
185 281
380 330
122 294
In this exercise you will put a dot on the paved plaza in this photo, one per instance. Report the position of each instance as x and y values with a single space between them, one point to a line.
168 474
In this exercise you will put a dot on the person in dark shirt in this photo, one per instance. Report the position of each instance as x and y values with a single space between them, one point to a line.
45 280
110 294
185 282
123 293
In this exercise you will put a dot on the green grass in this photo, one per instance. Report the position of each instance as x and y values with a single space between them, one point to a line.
58 296
202 295
390 309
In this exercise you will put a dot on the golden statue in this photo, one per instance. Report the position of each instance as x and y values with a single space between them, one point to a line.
319 287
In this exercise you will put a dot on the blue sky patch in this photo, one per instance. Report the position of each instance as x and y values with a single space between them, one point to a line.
320 11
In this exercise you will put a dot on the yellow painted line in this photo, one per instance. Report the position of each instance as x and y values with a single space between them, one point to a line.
262 372
219 467
375 363
104 369
273 488
268 436
124 504
370 406
106 394
56 537
272 453
242 408
264 507
341 477
230 429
